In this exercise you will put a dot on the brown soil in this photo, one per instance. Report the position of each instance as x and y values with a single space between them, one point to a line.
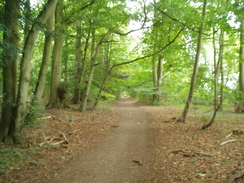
128 144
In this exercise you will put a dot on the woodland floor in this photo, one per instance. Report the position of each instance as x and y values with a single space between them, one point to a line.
127 142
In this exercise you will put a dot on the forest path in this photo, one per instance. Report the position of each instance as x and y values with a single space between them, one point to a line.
115 159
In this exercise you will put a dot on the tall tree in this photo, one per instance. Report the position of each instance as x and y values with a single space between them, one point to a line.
183 116
11 40
55 97
80 60
240 107
39 88
216 79
25 71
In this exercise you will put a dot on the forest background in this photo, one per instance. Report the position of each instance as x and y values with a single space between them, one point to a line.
86 52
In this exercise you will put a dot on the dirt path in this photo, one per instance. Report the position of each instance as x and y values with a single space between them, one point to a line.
115 159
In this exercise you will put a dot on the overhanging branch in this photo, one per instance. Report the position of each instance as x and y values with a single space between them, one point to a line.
150 55
176 20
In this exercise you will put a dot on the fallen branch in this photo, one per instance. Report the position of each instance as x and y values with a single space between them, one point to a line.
46 117
229 135
235 132
63 135
72 132
191 154
233 140
237 175
49 140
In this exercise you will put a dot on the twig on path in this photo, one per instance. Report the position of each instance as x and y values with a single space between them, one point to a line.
138 162
235 132
191 154
233 140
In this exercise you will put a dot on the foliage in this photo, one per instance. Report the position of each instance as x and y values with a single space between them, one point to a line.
14 158
34 112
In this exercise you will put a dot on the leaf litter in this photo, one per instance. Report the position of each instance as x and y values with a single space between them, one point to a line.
184 152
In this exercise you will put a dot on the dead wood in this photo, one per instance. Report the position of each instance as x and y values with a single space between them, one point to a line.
138 162
235 132
50 141
233 140
239 174
191 154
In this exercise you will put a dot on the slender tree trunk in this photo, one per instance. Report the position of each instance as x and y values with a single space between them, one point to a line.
45 61
83 63
107 72
37 98
157 78
27 19
10 71
78 60
54 100
92 69
25 69
216 77
215 67
221 72
184 114
154 74
90 76
240 107
221 100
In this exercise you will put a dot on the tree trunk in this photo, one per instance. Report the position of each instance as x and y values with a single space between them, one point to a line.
157 78
83 67
90 76
216 78
10 72
106 74
78 60
25 69
92 69
45 61
240 107
37 98
27 19
54 101
221 52
183 116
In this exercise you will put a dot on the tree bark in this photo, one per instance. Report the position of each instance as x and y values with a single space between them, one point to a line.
27 19
78 59
221 52
240 107
81 63
10 71
37 98
90 75
45 61
107 72
92 69
183 116
25 69
157 77
54 101
216 78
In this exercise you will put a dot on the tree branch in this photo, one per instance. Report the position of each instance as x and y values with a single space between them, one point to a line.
176 20
152 54
66 20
